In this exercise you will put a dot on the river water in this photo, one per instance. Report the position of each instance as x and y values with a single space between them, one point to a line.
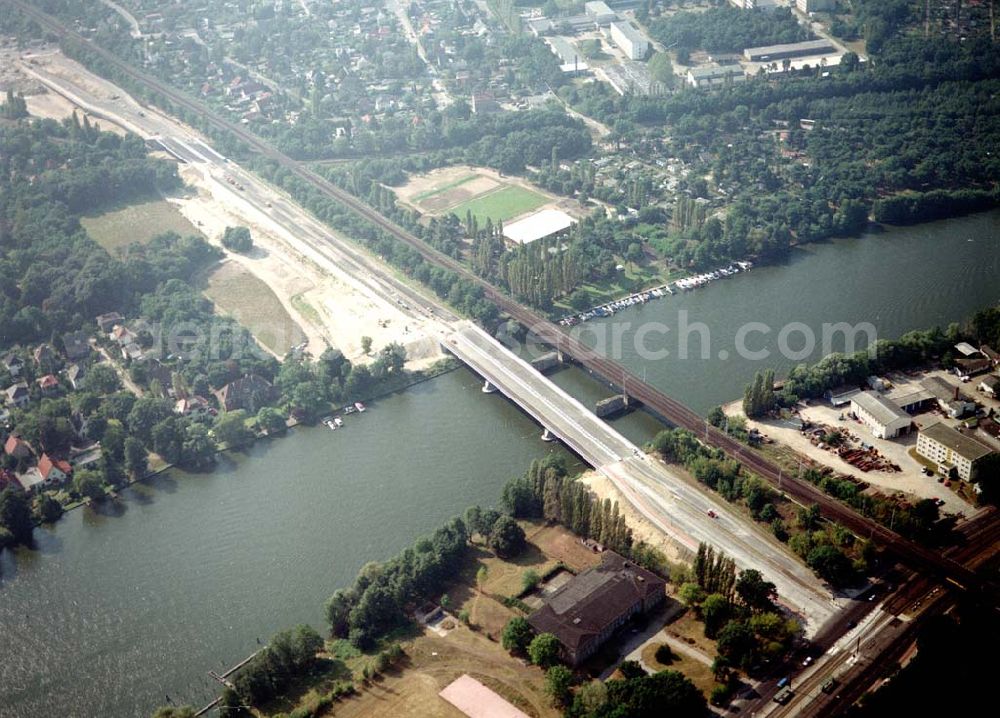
114 610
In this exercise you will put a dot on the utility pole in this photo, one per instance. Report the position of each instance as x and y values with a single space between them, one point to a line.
927 19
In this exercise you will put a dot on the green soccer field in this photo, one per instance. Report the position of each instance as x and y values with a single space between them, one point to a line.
501 204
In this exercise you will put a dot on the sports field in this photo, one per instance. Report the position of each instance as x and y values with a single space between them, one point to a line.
460 189
501 204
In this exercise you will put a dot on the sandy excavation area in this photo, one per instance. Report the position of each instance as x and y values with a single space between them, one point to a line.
331 307
642 529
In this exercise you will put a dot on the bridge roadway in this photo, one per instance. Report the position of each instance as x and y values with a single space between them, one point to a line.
663 498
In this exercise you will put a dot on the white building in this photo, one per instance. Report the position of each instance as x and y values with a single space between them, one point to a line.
952 451
815 5
715 75
754 4
884 419
539 225
632 42
600 13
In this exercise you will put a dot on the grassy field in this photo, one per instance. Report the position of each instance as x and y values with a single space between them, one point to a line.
501 204
700 674
136 223
253 304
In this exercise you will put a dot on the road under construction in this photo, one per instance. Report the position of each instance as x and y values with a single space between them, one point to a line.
926 561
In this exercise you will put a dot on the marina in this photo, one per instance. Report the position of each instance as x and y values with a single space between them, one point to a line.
699 280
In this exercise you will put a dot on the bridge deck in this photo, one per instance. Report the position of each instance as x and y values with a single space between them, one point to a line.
674 505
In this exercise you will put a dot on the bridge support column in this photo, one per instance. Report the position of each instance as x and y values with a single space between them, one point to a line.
548 436
489 388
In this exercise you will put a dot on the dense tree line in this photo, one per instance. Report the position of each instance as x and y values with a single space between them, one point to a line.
726 29
546 492
638 695
288 656
375 603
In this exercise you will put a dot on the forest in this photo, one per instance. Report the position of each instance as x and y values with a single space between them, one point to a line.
726 29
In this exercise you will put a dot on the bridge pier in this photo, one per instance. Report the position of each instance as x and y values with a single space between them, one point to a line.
489 388
548 436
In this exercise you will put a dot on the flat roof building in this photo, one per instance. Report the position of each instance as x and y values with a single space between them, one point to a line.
715 75
546 223
600 13
794 49
949 397
632 42
587 610
815 5
883 418
952 450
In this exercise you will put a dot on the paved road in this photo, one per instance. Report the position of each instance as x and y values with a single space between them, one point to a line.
663 497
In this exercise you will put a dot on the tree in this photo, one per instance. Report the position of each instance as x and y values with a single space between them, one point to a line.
544 650
715 610
47 509
831 563
662 70
558 680
481 575
516 635
271 420
230 428
136 458
88 483
506 537
15 514
102 379
754 592
691 594
737 643
237 239
366 345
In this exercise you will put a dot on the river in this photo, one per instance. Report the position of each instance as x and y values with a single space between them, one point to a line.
115 609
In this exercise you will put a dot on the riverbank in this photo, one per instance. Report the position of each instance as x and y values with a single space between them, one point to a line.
396 384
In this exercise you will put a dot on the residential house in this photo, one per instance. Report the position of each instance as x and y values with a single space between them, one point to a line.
250 393
18 394
74 375
990 385
9 480
107 322
949 397
14 364
193 406
18 448
49 384
587 610
991 354
122 335
77 345
46 358
53 471
968 367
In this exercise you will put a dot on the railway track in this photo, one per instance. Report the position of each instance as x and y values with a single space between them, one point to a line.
670 409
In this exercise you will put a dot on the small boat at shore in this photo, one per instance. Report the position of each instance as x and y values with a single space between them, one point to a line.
330 424
359 406
338 422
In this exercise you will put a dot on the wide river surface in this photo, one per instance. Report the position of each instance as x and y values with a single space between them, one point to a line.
116 609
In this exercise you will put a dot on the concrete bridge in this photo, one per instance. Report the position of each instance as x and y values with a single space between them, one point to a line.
674 504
